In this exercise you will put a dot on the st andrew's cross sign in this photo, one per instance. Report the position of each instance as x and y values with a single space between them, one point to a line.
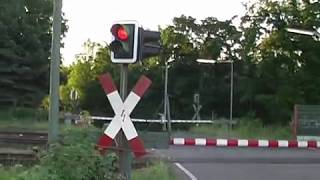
122 112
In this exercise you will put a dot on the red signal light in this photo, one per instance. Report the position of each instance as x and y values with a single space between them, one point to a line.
120 32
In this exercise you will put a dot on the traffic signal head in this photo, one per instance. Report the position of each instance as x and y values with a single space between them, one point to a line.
124 45
149 43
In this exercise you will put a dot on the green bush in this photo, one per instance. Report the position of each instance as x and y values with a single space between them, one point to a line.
74 159
45 103
6 173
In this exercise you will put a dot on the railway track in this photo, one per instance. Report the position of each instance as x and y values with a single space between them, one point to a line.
11 137
11 156
21 147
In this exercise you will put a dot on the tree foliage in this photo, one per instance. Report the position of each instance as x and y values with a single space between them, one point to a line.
25 41
273 69
281 66
187 41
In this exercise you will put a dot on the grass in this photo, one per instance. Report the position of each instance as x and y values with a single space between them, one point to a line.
246 129
21 113
157 171
23 119
24 125
6 173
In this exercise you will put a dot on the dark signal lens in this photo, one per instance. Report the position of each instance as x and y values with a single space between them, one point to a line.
115 46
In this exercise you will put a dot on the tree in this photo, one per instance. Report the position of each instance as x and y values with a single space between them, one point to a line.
280 66
94 61
25 41
187 41
273 71
83 76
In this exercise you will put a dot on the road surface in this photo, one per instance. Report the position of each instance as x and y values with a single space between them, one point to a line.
213 163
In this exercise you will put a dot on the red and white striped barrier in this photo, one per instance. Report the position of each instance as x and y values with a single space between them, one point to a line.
245 143
122 112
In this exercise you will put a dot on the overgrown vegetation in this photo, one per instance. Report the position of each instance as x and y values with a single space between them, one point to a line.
23 119
75 159
10 173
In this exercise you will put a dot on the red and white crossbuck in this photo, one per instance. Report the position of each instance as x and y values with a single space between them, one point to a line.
122 112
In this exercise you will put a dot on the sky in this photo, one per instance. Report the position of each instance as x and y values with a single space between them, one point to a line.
92 19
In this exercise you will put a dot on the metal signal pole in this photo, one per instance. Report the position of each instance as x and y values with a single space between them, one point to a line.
231 98
124 156
166 108
54 73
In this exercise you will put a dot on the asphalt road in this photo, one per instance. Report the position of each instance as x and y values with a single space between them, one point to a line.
212 163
